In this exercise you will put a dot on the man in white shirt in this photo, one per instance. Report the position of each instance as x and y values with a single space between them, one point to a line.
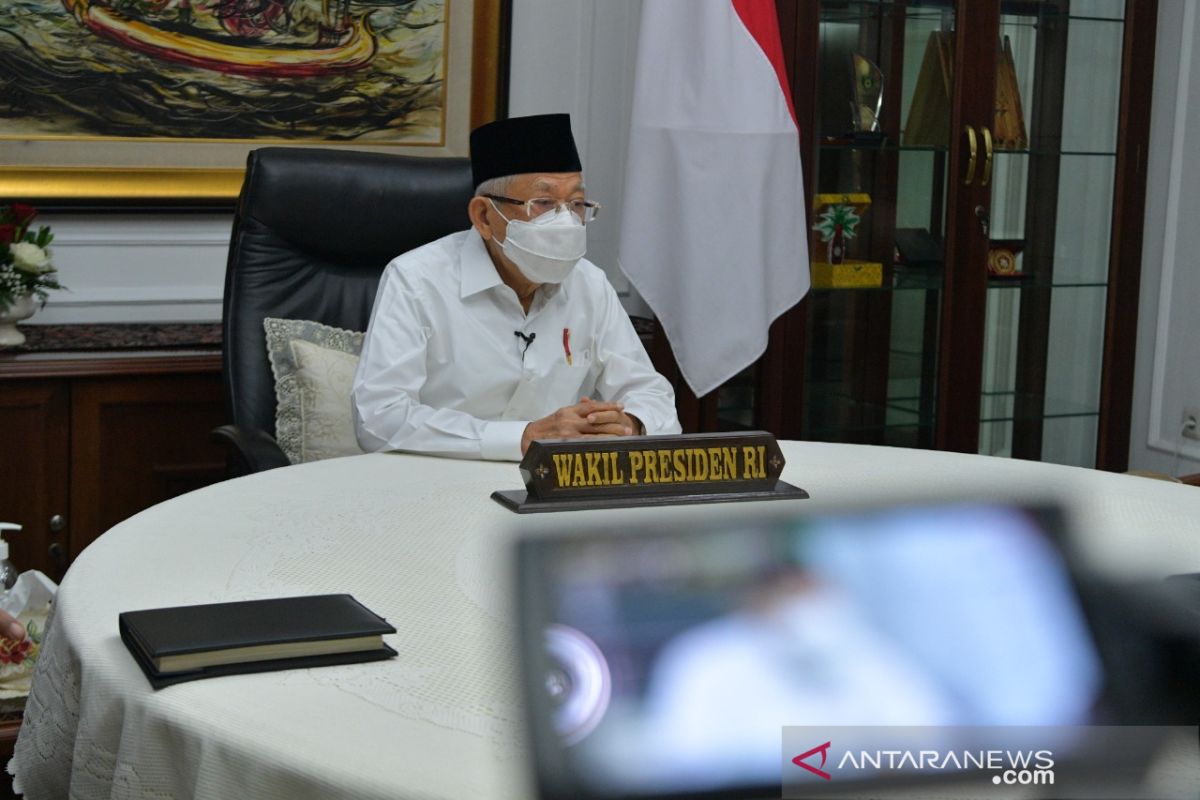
491 338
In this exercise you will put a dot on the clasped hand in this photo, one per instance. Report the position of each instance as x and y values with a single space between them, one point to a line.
585 420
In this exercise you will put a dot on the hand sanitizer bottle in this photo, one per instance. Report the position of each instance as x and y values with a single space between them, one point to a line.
8 572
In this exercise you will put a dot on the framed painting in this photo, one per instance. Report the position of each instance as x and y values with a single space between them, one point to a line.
157 102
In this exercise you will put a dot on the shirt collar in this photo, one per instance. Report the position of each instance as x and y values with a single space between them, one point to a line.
479 273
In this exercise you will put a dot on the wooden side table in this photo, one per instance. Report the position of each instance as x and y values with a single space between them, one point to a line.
97 434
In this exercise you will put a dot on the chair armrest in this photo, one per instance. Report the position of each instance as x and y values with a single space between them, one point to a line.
250 450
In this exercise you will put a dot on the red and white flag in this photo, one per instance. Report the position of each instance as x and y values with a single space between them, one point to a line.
713 231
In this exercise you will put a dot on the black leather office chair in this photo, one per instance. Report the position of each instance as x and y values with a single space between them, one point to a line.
313 231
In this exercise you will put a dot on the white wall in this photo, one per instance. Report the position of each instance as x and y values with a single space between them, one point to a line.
138 268
1167 378
577 56
591 47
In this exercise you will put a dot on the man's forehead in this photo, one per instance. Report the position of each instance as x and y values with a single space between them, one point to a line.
549 181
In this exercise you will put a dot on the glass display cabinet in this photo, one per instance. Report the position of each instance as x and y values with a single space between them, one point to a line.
976 171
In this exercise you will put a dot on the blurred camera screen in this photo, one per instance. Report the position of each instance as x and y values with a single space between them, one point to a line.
675 659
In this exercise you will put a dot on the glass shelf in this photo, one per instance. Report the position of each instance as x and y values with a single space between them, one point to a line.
860 10
1046 151
853 13
1026 283
1001 407
881 145
931 285
903 279
868 145
844 415
928 282
1011 22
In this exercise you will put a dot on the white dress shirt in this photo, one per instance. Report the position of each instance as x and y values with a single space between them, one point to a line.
442 370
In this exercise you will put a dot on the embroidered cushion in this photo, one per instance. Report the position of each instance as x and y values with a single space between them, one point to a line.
314 368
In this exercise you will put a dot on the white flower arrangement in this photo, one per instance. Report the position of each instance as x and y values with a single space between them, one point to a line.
25 258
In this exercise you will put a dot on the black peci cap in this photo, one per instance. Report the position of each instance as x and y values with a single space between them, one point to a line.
522 145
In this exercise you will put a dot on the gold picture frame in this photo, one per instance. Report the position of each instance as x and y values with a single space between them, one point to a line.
473 64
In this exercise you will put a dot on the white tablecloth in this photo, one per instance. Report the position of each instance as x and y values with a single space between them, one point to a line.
419 541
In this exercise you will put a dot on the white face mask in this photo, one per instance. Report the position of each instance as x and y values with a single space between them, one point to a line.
547 247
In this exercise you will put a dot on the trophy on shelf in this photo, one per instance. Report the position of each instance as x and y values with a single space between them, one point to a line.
929 116
1003 258
1009 117
836 226
867 103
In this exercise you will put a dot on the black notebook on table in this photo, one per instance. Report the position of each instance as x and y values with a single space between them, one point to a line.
184 643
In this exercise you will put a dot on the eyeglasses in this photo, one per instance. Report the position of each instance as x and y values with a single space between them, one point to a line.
586 210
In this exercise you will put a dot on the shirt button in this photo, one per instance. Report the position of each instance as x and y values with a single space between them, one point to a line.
528 374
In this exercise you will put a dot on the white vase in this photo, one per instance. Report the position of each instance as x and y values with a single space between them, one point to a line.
21 308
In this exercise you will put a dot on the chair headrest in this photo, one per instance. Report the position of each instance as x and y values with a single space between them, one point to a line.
313 231
348 205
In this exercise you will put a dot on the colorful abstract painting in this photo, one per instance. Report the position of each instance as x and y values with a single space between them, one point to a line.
365 71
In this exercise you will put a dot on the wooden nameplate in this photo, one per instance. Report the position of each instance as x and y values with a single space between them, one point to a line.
580 474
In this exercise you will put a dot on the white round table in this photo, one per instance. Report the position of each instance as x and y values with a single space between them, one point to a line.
418 540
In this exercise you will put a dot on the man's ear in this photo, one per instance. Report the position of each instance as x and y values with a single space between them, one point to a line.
478 210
